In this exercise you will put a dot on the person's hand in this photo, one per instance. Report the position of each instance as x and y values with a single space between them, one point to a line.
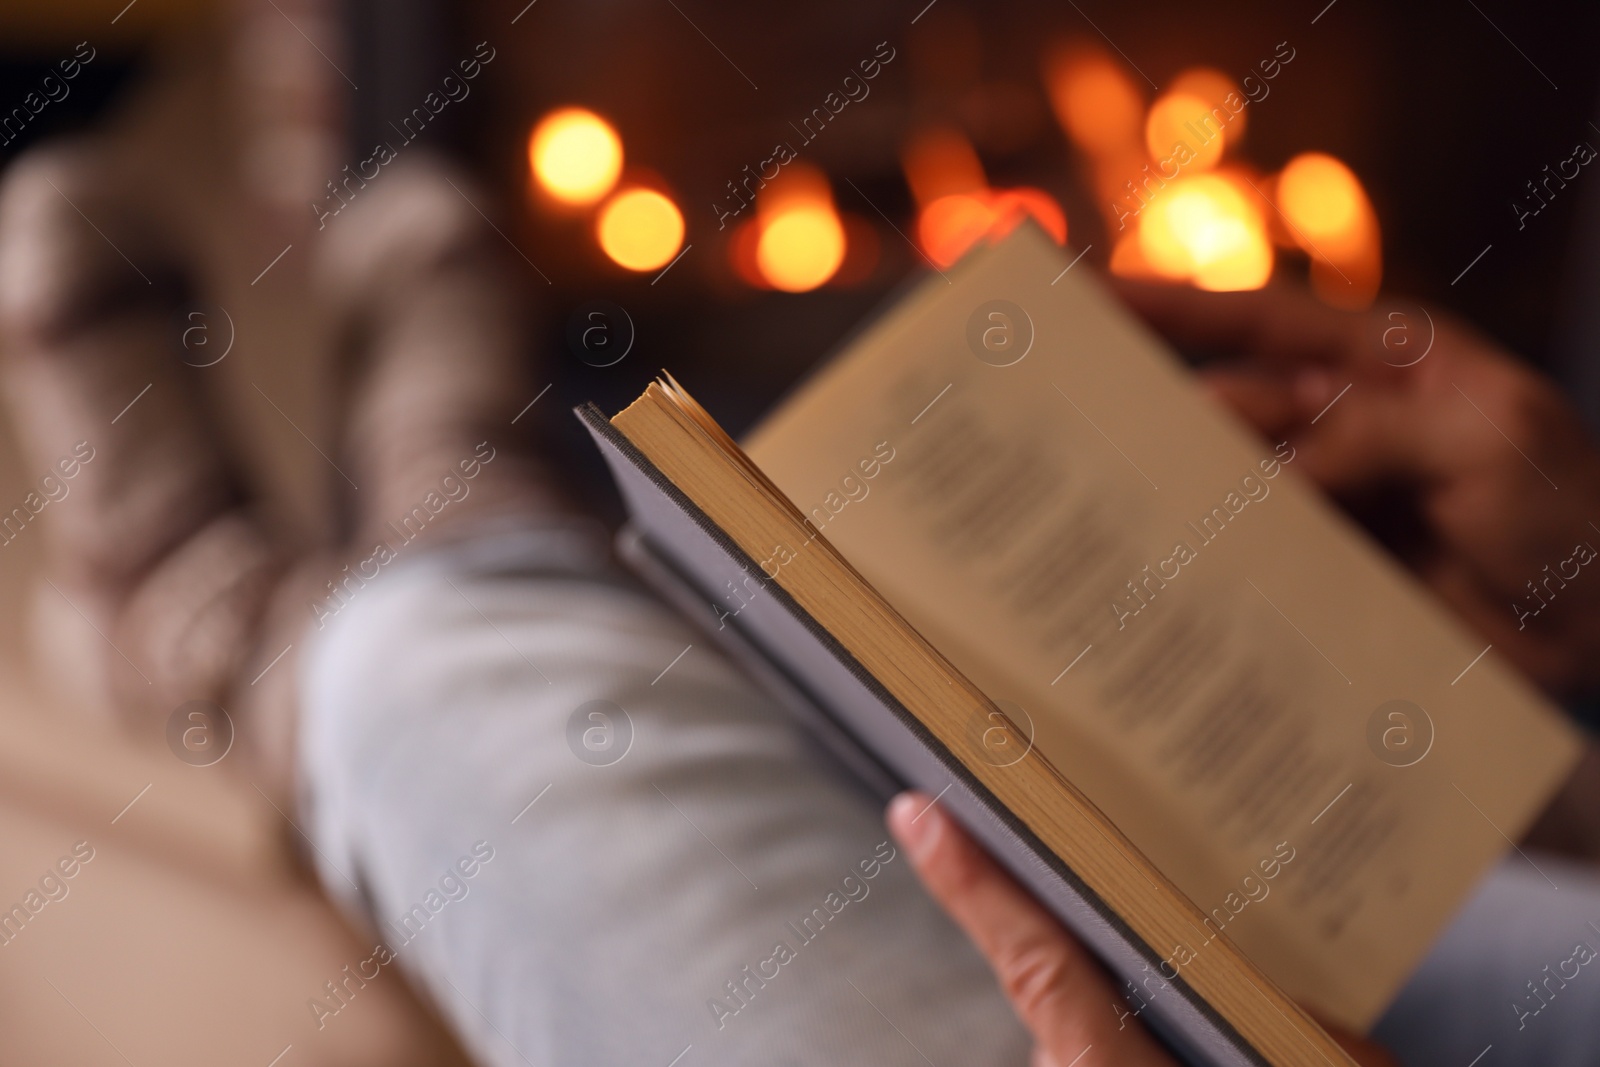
1061 994
1467 464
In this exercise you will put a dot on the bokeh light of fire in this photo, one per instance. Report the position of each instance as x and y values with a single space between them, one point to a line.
1180 203
575 156
956 205
576 160
640 228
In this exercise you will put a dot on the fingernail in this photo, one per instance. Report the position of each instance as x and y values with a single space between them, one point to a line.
917 821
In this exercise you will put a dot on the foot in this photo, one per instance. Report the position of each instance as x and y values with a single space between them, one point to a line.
158 552
435 364
438 357
154 550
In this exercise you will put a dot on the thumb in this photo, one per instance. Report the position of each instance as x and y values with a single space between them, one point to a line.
1057 989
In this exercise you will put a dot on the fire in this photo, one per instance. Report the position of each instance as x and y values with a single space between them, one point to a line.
1127 258
1203 229
1214 87
1184 119
940 161
1323 201
575 155
1331 218
1096 102
952 224
958 208
801 239
1174 207
640 229
801 248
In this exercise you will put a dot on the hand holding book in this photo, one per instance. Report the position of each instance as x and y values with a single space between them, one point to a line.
1061 994
1447 447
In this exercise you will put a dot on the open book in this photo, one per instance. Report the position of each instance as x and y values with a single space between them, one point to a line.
1002 549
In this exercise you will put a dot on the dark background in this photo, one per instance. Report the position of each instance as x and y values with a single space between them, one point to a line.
1443 118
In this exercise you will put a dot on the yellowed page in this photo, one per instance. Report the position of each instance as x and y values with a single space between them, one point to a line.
1199 642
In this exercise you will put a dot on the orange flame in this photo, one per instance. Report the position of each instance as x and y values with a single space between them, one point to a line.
940 161
1202 229
1098 105
951 225
575 156
1214 88
640 229
1331 218
801 238
1185 130
958 208
1175 210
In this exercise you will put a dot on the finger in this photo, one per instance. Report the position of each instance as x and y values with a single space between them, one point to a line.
1460 583
1369 435
1270 403
1344 450
1353 450
1057 989
1281 325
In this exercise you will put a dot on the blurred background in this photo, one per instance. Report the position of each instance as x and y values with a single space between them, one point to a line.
724 190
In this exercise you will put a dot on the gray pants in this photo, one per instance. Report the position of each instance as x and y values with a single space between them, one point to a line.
591 840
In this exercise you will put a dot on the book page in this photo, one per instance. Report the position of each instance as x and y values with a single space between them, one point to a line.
1271 709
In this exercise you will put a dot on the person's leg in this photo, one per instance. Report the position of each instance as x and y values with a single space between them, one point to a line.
672 864
718 885
615 910
1518 969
